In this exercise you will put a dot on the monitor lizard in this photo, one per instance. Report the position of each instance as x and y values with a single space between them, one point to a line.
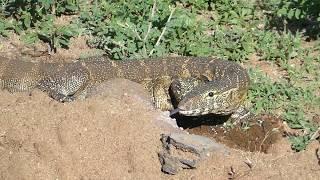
199 85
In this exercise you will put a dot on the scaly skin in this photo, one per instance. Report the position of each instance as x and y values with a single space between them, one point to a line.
199 85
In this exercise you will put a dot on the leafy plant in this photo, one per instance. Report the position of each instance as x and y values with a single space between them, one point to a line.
277 47
268 96
195 4
35 20
302 9
296 15
160 28
232 12
233 44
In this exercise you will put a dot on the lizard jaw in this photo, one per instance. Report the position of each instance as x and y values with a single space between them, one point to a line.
194 112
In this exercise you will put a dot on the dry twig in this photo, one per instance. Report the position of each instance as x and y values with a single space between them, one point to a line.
163 31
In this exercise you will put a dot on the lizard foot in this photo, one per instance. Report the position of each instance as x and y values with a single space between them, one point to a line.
240 115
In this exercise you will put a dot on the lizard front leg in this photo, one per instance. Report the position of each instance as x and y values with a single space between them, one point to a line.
66 84
159 90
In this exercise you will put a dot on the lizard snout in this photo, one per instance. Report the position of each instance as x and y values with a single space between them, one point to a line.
186 110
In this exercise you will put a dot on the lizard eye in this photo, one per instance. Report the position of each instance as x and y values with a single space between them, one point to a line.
210 94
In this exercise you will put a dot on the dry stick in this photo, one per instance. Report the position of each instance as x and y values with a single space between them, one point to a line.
318 155
248 162
149 26
126 25
269 133
315 135
135 31
119 44
150 20
162 33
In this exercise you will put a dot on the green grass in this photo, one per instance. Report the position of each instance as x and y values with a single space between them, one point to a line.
297 104
234 30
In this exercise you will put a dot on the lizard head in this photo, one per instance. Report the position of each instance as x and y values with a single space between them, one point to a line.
208 99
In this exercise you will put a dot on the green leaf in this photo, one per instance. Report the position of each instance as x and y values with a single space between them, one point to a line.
291 13
30 38
282 12
26 20
299 143
297 13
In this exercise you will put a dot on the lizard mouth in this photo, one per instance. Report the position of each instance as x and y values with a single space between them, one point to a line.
194 112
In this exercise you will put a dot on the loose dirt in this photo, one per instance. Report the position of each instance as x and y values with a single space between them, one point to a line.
257 134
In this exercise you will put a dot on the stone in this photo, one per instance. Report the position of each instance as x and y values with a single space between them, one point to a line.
185 151
199 145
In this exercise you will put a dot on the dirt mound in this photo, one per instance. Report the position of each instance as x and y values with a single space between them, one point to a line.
113 136
109 136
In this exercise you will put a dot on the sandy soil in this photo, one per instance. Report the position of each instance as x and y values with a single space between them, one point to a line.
116 136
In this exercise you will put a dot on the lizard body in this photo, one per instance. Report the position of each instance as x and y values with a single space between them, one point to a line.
200 85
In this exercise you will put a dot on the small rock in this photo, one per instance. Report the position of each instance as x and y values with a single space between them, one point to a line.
170 165
185 151
199 145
